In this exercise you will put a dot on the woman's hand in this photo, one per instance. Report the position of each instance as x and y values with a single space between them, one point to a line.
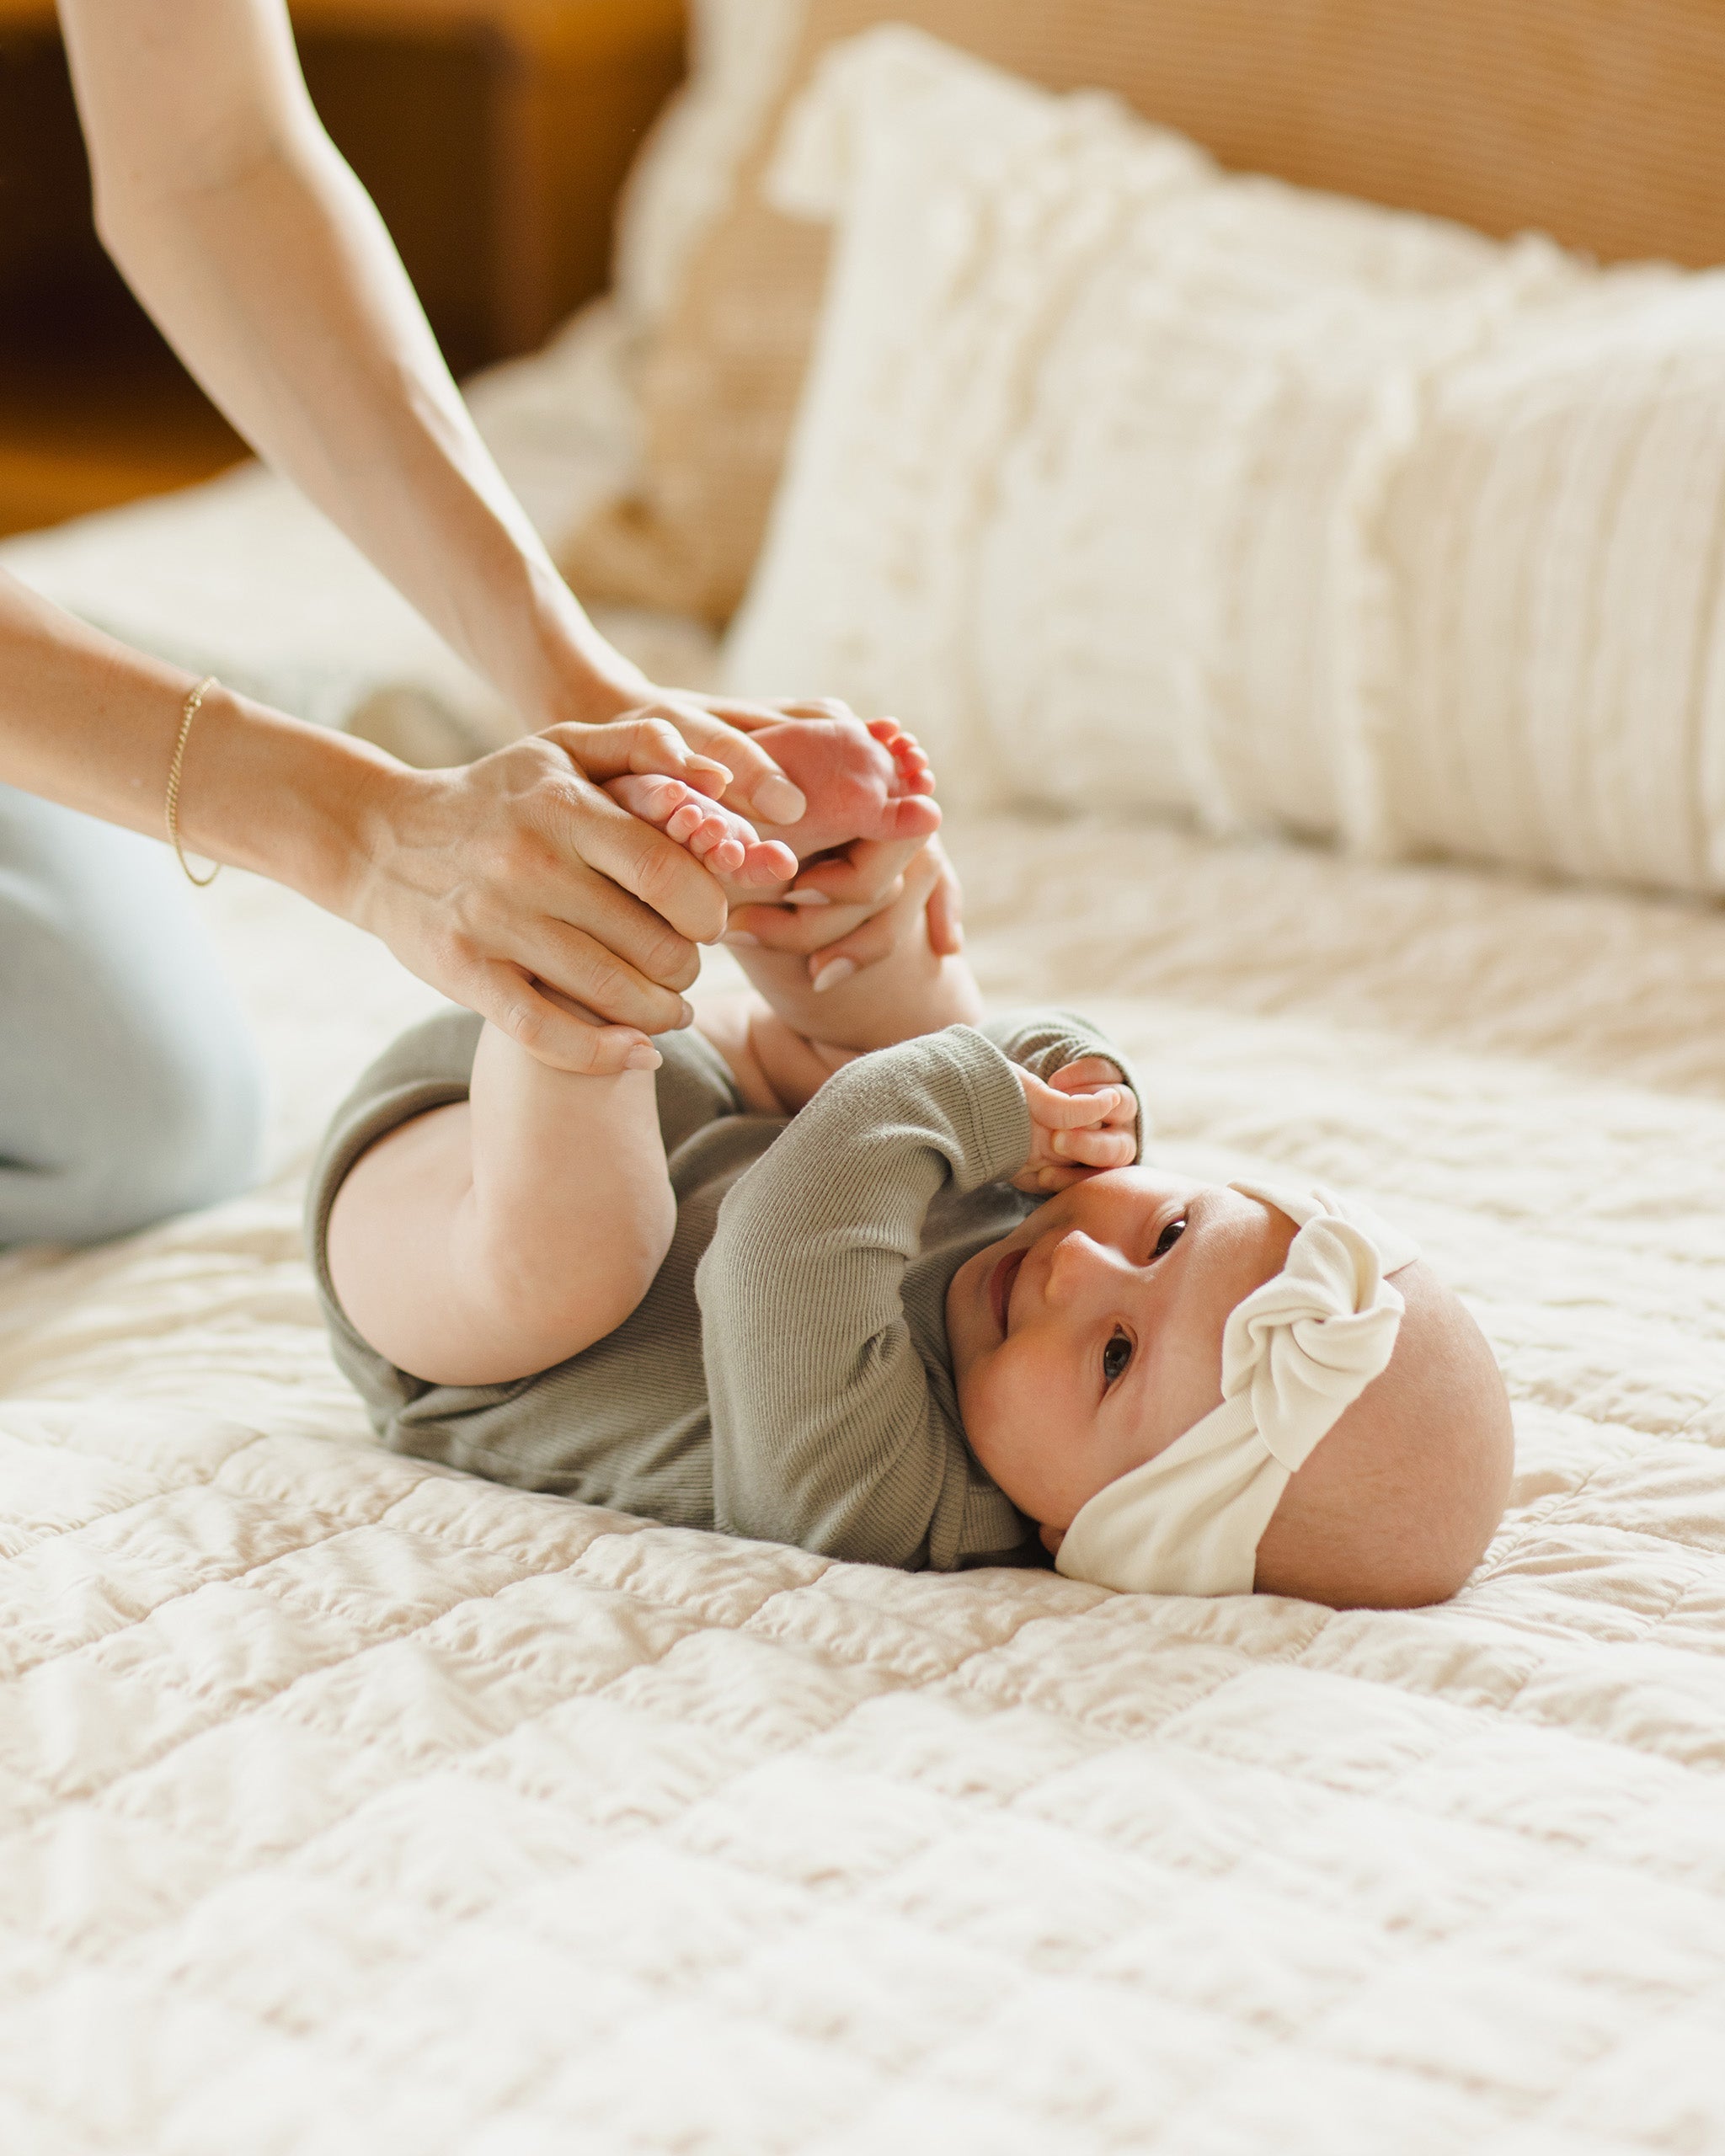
505 877
840 913
719 727
907 989
846 913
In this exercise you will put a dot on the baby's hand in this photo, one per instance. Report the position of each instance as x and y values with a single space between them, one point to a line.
718 838
1083 1122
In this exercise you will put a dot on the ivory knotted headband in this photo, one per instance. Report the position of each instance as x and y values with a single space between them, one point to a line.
1296 1354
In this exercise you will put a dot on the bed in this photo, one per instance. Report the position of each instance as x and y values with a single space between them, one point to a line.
350 1805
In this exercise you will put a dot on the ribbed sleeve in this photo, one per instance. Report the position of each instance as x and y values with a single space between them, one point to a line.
824 1430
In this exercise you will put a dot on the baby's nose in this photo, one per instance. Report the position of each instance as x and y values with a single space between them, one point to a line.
1079 1263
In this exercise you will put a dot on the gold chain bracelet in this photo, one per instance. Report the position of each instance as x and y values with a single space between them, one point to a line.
189 711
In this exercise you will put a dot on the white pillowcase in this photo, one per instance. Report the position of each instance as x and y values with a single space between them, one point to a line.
1129 484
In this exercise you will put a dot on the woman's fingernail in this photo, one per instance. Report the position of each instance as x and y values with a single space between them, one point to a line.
805 898
644 1056
739 938
832 973
779 801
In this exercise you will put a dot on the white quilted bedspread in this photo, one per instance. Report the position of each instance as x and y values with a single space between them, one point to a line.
351 1807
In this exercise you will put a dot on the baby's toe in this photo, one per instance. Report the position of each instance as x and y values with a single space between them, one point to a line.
912 771
652 798
715 845
766 862
718 837
909 816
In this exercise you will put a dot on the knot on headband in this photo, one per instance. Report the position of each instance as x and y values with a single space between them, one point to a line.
1296 1353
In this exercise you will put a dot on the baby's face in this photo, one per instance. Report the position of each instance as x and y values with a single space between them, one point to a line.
1091 1337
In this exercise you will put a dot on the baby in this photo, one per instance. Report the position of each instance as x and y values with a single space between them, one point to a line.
860 1271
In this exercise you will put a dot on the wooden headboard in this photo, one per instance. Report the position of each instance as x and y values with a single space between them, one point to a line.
1599 121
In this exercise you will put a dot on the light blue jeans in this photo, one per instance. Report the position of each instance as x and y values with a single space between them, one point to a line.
129 1086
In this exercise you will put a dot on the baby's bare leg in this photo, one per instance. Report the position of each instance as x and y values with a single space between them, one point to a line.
486 1241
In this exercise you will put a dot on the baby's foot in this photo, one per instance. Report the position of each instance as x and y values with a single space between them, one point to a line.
860 781
718 838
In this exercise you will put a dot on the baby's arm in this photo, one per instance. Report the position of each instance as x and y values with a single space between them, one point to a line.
485 1241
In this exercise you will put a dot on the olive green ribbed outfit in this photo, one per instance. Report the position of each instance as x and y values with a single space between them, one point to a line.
786 1376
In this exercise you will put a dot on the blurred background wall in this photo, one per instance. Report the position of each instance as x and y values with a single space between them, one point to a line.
492 134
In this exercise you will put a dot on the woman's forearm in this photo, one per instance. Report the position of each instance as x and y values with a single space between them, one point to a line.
92 724
495 881
263 260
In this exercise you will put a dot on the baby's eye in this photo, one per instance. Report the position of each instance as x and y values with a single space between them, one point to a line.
1169 1236
1114 1358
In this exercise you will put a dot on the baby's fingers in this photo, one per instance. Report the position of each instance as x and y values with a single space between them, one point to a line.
1076 1111
1044 1178
1087 1071
1095 1149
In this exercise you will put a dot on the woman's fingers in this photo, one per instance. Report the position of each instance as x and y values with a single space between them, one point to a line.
588 826
639 744
518 1006
945 906
865 874
503 861
878 934
590 972
868 875
800 930
719 727
875 937
749 713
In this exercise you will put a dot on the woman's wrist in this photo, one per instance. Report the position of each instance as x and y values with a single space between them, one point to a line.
300 804
580 677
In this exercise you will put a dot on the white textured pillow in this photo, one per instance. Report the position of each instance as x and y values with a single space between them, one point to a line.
1128 482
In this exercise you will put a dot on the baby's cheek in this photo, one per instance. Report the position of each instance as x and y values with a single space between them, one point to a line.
1004 1425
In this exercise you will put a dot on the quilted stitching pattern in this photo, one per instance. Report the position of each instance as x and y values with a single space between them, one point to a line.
347 1805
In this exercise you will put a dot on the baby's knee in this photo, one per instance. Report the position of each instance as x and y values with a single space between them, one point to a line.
633 1265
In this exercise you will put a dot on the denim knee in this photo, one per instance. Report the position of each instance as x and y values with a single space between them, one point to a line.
183 1129
153 1116
130 1088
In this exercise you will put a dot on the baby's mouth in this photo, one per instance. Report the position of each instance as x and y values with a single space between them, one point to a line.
1000 1287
